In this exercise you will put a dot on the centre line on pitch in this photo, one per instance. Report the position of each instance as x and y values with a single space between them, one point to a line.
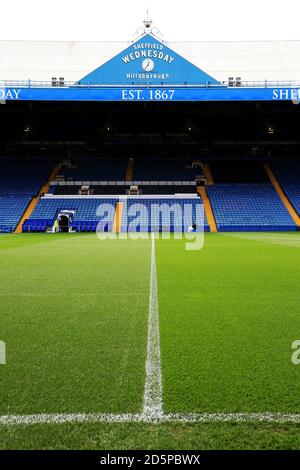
153 401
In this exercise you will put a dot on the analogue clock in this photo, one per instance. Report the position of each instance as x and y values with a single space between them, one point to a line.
148 65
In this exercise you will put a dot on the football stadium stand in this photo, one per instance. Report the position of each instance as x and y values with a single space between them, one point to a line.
209 215
155 214
19 182
94 175
243 198
249 207
86 216
202 132
240 196
207 173
11 209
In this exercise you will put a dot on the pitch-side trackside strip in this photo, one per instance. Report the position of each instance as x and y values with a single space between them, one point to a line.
141 418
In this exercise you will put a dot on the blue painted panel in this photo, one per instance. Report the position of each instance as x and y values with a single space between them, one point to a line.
148 61
150 94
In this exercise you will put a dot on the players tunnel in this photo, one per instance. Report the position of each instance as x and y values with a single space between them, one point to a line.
63 223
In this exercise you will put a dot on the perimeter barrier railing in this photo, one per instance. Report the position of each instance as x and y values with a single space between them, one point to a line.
224 84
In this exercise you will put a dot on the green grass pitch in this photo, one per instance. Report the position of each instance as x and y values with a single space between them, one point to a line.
74 318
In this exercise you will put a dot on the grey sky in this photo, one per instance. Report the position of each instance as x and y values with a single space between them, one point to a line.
188 20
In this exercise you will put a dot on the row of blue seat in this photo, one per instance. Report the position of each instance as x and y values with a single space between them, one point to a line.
173 214
249 207
89 213
143 169
256 228
20 180
6 228
12 208
78 226
98 213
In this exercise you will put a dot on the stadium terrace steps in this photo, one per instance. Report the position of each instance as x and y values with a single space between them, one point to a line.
44 189
117 222
27 213
208 209
245 195
208 174
53 174
282 195
12 206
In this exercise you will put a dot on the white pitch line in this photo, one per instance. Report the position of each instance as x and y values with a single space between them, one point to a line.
153 403
77 294
142 418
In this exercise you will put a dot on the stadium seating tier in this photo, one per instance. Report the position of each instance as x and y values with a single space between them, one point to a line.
249 207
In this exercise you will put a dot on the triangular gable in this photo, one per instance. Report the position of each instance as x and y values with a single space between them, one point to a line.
148 61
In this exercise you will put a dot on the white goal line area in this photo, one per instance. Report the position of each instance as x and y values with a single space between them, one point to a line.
275 418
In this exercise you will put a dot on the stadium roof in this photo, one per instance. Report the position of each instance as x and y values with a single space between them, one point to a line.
252 61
